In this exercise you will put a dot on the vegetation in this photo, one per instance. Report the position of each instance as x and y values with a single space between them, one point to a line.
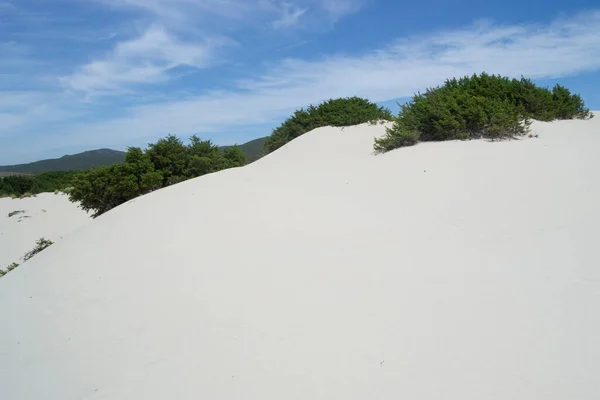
28 185
253 149
338 112
81 161
40 245
16 212
166 162
8 269
483 105
102 157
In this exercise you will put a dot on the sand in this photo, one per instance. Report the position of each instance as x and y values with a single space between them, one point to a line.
47 215
455 270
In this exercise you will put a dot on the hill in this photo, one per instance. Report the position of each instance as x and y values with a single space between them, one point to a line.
80 161
446 270
253 149
100 157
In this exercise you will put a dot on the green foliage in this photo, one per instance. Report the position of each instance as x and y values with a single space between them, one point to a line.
338 112
164 163
479 106
20 185
40 245
8 269
402 137
11 267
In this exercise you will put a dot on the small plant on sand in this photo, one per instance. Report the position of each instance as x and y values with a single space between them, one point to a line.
16 212
40 245
8 269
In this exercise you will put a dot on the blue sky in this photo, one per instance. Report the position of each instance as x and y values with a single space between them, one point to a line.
84 74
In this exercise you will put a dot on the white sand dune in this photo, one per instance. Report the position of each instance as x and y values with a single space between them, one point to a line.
456 270
47 215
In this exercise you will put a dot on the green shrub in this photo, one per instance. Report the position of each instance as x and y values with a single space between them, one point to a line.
479 106
28 185
338 112
402 137
164 163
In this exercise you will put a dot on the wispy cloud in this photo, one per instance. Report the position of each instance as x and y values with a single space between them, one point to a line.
290 16
185 10
565 47
145 59
340 8
150 57
281 13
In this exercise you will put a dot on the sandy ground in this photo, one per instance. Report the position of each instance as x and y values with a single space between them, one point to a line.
455 270
47 215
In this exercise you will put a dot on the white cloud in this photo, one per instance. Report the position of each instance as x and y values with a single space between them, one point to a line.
146 59
339 8
149 58
182 14
563 48
289 16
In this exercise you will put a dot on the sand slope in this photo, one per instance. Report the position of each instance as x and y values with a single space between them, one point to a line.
456 270
47 215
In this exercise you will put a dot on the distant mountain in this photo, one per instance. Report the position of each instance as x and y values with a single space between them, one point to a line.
100 157
81 161
253 148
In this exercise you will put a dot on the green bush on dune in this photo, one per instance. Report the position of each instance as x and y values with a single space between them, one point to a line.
20 185
479 106
339 112
166 162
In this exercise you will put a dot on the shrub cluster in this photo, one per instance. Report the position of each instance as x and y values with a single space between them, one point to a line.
479 106
338 112
18 185
166 162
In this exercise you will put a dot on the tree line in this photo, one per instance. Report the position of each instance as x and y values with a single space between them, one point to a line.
161 164
25 185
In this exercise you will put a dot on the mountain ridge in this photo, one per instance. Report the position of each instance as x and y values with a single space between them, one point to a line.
102 157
